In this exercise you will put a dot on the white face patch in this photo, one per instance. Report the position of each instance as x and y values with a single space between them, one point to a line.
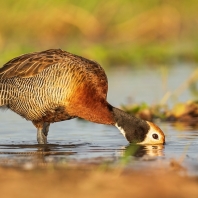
153 136
121 130
149 139
149 136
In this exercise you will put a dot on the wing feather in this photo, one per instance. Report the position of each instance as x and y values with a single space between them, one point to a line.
29 65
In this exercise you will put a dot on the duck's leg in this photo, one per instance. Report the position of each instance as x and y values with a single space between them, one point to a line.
42 132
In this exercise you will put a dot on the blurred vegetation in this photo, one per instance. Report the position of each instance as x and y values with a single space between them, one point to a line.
185 113
112 32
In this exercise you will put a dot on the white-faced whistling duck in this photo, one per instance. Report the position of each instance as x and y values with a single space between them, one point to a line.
54 85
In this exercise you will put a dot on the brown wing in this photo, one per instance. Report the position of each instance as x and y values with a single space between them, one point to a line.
28 65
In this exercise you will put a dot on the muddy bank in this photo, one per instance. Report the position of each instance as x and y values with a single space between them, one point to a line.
94 182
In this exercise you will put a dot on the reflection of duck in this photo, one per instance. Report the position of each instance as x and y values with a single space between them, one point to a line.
142 150
54 85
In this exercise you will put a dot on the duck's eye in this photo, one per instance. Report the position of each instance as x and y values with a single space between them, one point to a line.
155 136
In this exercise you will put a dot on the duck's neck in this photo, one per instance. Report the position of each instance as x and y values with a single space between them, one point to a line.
131 127
98 112
103 113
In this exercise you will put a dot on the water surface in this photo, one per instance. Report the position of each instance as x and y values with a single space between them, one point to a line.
82 141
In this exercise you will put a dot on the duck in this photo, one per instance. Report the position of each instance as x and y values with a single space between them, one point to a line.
55 85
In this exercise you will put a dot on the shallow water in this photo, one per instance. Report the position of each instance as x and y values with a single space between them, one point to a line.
85 142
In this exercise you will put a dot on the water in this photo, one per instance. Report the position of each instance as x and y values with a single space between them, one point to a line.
85 142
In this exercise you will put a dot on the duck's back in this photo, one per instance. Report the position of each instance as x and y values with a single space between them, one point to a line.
37 84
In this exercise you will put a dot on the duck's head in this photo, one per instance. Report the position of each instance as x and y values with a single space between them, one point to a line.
154 135
136 130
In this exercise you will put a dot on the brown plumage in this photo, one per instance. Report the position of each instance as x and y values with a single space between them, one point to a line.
55 85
